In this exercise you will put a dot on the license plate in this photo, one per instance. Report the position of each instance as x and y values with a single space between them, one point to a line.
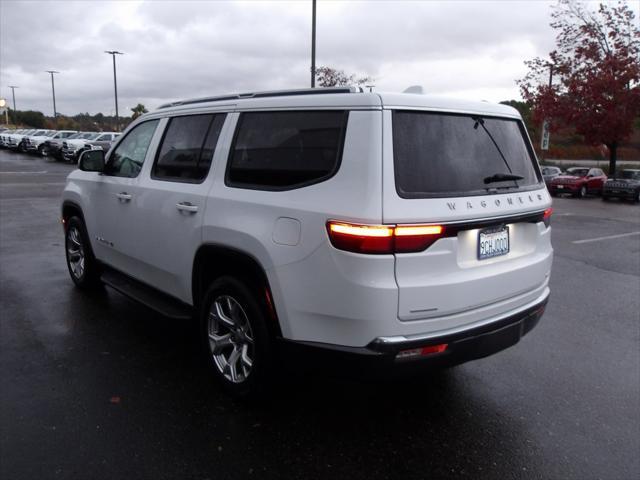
493 242
560 187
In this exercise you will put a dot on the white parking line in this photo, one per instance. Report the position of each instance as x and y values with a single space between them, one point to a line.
25 173
562 214
608 237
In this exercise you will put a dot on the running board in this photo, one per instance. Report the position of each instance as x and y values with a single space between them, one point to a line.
147 296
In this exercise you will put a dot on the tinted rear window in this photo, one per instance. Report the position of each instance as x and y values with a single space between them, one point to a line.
285 150
439 155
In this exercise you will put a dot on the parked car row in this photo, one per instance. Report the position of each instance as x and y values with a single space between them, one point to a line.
64 145
582 181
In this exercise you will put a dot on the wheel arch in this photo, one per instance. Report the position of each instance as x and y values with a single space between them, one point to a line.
69 209
212 261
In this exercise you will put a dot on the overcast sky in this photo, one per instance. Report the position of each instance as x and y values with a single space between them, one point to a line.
180 49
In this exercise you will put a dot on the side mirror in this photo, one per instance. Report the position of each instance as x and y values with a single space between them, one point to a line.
91 161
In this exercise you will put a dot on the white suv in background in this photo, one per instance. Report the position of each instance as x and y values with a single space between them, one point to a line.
390 230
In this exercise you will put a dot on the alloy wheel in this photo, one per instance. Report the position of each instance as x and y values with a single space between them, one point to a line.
75 252
231 340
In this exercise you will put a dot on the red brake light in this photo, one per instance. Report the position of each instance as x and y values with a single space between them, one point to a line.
546 217
361 238
382 239
410 238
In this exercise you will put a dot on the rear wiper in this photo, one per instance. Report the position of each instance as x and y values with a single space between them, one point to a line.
502 177
480 121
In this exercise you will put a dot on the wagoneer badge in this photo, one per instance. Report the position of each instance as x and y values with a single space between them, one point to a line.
504 202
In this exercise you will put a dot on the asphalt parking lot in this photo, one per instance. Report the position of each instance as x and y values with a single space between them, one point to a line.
98 387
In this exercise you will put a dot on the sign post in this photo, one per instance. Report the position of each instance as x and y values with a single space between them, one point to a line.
544 143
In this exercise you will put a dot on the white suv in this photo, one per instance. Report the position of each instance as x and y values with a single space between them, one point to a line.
396 229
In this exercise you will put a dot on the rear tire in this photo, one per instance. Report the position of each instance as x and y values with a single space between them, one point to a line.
83 266
43 151
235 338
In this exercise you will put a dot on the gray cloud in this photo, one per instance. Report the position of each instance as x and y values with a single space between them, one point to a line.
177 49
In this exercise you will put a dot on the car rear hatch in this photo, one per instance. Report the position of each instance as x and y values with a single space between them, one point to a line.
476 177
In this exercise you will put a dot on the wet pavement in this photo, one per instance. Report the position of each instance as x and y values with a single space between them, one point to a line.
95 386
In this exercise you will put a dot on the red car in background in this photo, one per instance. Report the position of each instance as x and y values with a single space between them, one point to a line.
579 182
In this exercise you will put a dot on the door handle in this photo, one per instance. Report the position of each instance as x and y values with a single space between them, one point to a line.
123 196
187 207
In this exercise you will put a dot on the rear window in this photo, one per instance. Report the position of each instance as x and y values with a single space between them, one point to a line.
448 155
286 150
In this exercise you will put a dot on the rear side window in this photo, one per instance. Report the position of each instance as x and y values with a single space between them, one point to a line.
447 155
187 148
286 150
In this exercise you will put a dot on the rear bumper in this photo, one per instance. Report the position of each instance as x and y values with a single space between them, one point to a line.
380 356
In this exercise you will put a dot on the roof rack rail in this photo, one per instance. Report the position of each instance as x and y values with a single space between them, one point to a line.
273 93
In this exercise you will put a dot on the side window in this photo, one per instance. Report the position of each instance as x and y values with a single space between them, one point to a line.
286 150
127 159
187 148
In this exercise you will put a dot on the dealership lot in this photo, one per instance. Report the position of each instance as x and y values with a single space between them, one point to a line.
99 387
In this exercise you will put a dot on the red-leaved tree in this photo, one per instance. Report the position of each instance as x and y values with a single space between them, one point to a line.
596 68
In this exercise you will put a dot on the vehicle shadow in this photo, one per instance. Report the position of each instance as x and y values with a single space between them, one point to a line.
310 425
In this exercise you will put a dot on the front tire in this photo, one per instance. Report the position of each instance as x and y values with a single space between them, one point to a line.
83 266
43 150
235 338
582 192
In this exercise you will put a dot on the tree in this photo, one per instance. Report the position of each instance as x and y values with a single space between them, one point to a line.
597 67
138 110
524 108
331 77
29 118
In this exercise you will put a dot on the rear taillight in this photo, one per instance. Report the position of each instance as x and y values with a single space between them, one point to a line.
546 217
383 239
361 238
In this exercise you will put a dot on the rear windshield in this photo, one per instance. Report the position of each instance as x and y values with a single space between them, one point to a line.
448 155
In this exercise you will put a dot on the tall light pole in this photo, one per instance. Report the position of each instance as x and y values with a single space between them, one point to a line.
53 89
113 54
13 92
313 45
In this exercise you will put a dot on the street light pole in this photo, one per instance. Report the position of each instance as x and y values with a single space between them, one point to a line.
313 45
53 89
113 54
13 93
